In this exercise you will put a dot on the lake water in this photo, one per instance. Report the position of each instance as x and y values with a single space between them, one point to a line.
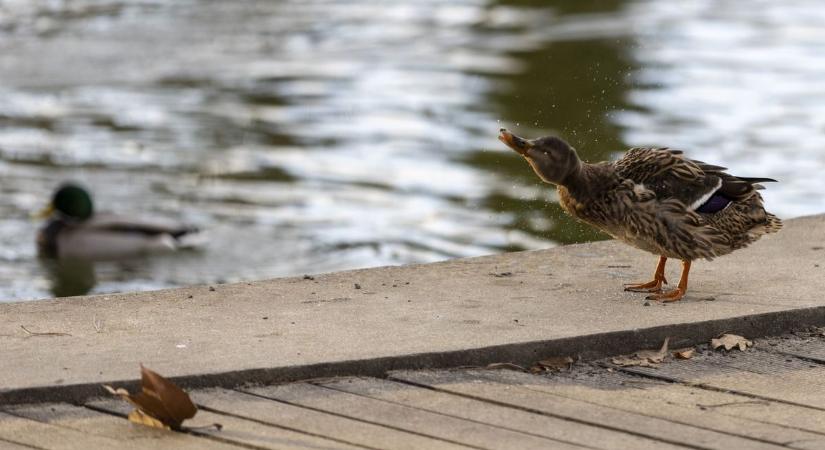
310 136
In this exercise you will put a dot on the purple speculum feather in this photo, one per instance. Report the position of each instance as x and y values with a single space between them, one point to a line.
715 203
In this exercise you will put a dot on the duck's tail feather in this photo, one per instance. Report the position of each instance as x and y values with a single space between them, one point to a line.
758 180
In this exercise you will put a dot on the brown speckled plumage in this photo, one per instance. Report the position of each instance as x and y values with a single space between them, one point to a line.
643 199
655 199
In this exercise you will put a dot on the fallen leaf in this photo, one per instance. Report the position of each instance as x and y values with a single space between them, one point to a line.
119 391
643 358
684 353
626 361
139 417
508 366
159 399
654 356
730 341
554 364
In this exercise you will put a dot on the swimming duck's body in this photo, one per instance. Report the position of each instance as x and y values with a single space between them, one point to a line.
74 231
657 200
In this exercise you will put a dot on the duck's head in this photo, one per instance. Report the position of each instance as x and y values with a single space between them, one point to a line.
553 159
71 201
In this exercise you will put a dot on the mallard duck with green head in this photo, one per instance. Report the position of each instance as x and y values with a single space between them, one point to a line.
74 230
655 199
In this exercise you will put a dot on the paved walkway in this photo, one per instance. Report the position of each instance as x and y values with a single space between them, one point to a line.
376 329
764 398
515 307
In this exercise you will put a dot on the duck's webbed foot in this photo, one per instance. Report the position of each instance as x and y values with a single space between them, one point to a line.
651 286
669 296
679 292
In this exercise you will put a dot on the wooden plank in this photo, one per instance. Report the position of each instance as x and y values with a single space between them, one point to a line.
771 363
408 418
95 423
490 413
622 391
732 405
56 437
811 347
240 431
40 435
9 445
518 389
314 422
765 375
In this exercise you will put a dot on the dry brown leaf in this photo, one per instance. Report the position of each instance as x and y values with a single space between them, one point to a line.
654 356
119 391
643 358
684 353
627 361
554 364
159 399
139 417
730 341
509 366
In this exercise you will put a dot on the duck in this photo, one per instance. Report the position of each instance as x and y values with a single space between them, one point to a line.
655 199
74 230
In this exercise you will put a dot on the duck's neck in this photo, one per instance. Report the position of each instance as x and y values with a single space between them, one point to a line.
589 180
578 181
579 187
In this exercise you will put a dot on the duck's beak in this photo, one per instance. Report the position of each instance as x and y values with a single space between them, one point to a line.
516 143
44 213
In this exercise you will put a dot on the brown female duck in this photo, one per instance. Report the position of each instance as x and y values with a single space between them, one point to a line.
655 199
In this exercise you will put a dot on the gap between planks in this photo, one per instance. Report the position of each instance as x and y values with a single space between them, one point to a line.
715 385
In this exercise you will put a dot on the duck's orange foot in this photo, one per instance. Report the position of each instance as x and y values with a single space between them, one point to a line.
669 296
651 286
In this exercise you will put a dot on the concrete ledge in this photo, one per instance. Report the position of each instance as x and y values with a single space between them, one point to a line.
516 307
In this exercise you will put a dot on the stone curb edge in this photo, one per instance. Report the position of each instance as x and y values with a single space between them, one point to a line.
588 347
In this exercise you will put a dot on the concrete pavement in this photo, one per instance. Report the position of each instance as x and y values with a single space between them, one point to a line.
517 307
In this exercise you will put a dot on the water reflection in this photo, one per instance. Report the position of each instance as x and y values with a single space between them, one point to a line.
740 86
70 277
310 136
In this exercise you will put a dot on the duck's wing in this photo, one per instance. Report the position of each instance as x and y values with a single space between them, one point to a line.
699 186
139 225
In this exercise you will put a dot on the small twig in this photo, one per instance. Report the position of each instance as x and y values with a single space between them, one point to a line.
742 403
32 333
97 323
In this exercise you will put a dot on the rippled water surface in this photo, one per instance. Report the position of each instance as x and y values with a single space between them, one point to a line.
310 136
